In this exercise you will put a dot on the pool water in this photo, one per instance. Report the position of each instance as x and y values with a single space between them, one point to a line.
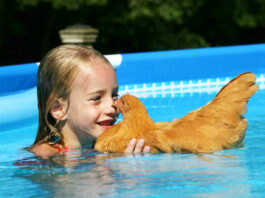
84 173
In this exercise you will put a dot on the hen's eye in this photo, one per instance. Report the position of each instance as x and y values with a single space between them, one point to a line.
123 102
115 96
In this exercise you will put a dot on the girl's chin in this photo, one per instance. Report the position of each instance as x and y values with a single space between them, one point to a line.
106 127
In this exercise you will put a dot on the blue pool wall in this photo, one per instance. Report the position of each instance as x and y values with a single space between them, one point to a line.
15 78
18 98
189 64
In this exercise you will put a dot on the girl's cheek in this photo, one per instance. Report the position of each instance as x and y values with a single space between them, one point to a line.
93 111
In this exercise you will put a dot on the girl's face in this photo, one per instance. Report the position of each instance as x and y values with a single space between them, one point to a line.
91 109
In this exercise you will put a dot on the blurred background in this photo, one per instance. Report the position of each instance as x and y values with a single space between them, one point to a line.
30 28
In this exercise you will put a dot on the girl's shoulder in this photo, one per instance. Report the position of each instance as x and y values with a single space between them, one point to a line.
44 150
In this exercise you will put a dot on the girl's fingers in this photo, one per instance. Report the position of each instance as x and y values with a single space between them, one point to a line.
139 146
135 146
131 146
146 149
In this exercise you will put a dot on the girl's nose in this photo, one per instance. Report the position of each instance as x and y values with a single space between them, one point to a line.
110 108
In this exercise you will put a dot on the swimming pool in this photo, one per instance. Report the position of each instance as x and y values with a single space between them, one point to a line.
170 84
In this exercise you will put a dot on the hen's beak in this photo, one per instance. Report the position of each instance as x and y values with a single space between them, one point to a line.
116 105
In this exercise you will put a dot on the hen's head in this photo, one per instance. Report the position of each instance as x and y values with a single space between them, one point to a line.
129 102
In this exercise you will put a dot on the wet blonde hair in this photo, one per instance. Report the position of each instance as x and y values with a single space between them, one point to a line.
56 75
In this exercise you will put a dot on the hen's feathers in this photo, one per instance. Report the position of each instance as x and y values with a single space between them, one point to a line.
218 125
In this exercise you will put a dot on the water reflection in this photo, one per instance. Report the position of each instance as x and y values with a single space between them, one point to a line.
167 175
79 174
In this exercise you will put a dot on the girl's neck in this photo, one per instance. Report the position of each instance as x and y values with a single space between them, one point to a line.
75 140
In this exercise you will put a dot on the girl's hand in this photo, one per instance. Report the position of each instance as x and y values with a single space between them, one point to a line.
135 146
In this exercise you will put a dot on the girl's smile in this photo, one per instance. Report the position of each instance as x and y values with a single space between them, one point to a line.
106 123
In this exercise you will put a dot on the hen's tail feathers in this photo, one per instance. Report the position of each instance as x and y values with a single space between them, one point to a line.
236 93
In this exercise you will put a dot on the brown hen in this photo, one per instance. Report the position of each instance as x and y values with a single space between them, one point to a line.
218 125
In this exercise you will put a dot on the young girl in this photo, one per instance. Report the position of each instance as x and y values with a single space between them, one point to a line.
76 88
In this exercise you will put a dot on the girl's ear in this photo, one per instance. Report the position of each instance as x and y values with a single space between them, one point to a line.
58 109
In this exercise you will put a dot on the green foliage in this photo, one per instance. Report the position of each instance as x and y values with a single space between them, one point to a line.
170 10
167 21
129 25
67 4
250 14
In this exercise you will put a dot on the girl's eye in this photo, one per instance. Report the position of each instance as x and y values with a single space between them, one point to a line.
97 98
